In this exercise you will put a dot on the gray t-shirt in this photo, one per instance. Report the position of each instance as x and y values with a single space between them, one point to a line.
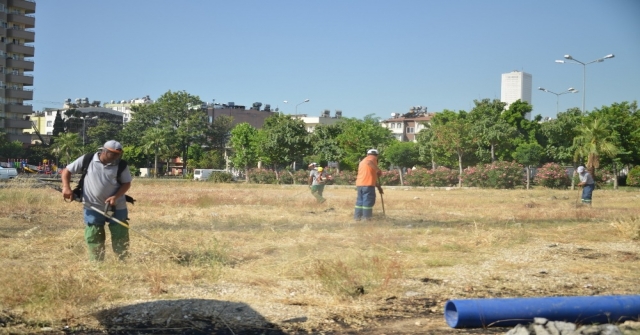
315 174
586 178
101 181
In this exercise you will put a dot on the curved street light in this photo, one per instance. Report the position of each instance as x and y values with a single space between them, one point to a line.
571 60
305 100
569 90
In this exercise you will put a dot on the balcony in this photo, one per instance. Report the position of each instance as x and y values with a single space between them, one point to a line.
24 138
18 108
17 123
26 65
25 50
19 79
18 93
28 21
28 5
27 35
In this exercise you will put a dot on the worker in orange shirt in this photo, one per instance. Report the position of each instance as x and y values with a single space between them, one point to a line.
366 183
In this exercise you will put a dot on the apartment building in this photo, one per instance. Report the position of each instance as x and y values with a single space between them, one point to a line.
325 118
405 126
17 22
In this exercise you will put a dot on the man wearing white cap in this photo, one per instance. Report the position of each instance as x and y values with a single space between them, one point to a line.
107 179
366 184
587 184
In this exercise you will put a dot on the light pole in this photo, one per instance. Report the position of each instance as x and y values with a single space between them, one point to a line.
570 90
584 71
305 100
84 127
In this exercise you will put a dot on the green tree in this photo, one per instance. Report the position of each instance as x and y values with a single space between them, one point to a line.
58 125
101 133
155 143
357 136
325 145
219 133
489 127
624 121
595 139
67 147
516 115
179 114
453 134
282 141
243 141
402 155
528 154
559 134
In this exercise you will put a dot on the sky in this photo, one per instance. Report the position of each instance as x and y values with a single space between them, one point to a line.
361 57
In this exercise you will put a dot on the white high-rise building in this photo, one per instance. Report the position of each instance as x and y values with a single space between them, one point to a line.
516 85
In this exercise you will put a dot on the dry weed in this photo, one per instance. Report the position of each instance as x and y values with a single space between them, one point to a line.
277 250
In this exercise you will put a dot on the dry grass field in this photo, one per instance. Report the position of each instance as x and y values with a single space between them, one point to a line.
236 258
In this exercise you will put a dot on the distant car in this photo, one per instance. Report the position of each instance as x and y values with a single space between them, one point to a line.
8 173
203 174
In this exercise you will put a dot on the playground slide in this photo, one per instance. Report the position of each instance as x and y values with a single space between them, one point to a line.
28 169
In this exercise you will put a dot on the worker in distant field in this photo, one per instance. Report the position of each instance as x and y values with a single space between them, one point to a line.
317 179
587 184
366 184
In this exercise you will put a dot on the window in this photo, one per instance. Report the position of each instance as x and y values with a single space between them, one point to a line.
48 112
409 130
49 123
399 125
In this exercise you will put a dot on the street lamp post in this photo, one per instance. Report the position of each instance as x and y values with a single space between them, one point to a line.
84 128
570 90
305 100
584 71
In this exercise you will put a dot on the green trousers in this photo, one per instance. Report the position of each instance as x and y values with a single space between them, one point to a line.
316 191
95 237
94 234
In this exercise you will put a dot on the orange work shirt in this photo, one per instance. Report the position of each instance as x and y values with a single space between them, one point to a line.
368 171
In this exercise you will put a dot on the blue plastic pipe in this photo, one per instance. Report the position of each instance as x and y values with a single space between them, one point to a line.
508 312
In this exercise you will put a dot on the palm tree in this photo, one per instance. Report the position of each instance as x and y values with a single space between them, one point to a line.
155 142
67 145
594 140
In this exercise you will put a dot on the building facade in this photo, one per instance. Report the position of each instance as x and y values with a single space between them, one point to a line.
124 106
404 127
17 22
325 118
516 86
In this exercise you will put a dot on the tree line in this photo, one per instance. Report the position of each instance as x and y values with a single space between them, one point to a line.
177 126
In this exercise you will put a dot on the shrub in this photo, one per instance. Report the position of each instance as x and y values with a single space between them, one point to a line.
504 174
221 177
345 178
262 176
500 174
390 178
440 177
474 176
633 178
552 175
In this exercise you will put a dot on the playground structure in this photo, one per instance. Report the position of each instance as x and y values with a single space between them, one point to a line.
45 167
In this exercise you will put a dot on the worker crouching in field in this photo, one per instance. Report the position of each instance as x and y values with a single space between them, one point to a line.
366 183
